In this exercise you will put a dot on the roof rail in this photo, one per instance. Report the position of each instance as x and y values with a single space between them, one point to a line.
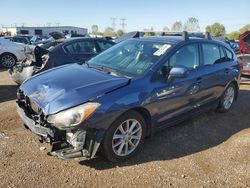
208 36
185 35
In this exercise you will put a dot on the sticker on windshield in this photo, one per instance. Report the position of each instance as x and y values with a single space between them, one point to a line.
162 50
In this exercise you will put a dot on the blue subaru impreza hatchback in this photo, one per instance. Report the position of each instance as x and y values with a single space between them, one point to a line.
127 93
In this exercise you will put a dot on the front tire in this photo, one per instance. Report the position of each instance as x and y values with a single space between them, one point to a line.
8 60
125 137
227 99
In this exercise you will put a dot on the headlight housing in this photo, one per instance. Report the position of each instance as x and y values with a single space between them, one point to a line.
73 116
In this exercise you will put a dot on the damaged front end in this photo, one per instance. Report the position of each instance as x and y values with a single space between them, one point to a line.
66 142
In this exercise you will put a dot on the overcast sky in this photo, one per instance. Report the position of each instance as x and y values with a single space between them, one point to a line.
140 14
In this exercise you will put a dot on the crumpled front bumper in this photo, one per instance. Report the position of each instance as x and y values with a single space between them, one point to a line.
65 144
35 128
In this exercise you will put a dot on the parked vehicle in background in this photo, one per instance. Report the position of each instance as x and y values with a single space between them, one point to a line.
76 50
57 53
245 42
128 92
245 59
10 53
234 45
25 39
33 62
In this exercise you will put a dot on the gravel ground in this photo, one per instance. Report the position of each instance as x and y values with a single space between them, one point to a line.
212 150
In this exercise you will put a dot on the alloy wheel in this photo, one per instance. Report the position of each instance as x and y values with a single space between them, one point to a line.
229 98
8 61
127 137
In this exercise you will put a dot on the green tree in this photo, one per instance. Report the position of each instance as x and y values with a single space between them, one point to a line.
216 30
120 32
192 25
109 31
94 29
149 32
177 26
166 29
234 35
245 28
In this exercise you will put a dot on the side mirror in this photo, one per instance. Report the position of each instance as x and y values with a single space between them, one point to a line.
178 72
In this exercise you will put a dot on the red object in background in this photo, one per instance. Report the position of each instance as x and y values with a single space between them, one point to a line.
244 62
244 42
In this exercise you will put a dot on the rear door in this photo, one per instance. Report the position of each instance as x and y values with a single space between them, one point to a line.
215 68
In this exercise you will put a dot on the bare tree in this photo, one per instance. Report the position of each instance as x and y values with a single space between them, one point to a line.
166 29
192 25
177 26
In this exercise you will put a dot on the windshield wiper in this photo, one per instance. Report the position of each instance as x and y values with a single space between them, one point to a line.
112 71
107 70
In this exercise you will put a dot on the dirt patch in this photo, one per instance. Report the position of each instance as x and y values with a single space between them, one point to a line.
212 150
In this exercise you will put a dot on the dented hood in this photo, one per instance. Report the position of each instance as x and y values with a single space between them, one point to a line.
67 86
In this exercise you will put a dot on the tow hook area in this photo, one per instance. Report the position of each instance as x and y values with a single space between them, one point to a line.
81 143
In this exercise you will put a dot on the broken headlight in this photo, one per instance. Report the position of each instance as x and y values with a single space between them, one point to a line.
73 116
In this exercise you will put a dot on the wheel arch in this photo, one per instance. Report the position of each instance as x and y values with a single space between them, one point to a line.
147 117
1 55
235 83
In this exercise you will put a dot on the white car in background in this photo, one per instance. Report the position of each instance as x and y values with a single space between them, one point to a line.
10 53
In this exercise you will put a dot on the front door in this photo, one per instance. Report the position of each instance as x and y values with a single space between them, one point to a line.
181 95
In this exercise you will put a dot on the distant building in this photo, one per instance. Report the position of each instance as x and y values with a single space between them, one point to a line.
44 31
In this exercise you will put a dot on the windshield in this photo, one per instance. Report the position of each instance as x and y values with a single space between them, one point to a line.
131 57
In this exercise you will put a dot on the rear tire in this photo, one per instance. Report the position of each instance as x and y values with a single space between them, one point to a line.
227 98
125 137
